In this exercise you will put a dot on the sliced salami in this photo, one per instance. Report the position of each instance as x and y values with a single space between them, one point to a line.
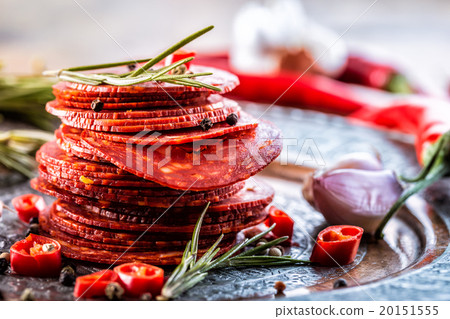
186 199
251 196
182 136
215 102
84 188
156 124
119 104
156 245
84 216
214 163
220 78
52 154
59 219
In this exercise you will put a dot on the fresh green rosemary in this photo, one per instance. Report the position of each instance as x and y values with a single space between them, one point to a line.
191 271
142 74
17 149
23 98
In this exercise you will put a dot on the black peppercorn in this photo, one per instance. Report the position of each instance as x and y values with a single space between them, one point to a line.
97 105
34 220
206 124
232 119
340 283
131 67
3 265
67 276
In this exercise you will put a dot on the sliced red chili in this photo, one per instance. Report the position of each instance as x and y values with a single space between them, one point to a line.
28 206
284 223
180 55
139 278
94 285
36 256
337 245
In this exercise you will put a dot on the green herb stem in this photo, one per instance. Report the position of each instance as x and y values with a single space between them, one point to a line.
436 167
191 271
169 51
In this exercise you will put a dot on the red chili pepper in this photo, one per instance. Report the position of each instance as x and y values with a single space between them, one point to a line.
139 278
362 71
28 206
337 245
284 223
36 256
179 55
94 285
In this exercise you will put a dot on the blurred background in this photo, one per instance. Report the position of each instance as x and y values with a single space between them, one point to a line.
59 33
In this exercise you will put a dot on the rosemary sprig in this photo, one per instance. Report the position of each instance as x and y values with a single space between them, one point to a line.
18 147
191 271
23 98
141 74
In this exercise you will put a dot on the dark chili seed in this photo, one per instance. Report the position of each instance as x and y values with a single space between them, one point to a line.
97 105
34 220
114 291
340 283
232 119
131 67
206 124
3 265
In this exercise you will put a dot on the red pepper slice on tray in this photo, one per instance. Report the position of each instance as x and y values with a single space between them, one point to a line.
36 256
337 245
180 55
94 285
139 278
28 206
284 223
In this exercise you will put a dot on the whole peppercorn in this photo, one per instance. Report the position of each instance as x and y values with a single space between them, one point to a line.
27 295
206 124
132 66
340 283
97 105
280 287
67 276
232 119
114 291
146 296
275 251
3 265
6 256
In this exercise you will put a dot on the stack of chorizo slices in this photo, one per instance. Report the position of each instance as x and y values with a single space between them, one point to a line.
132 178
